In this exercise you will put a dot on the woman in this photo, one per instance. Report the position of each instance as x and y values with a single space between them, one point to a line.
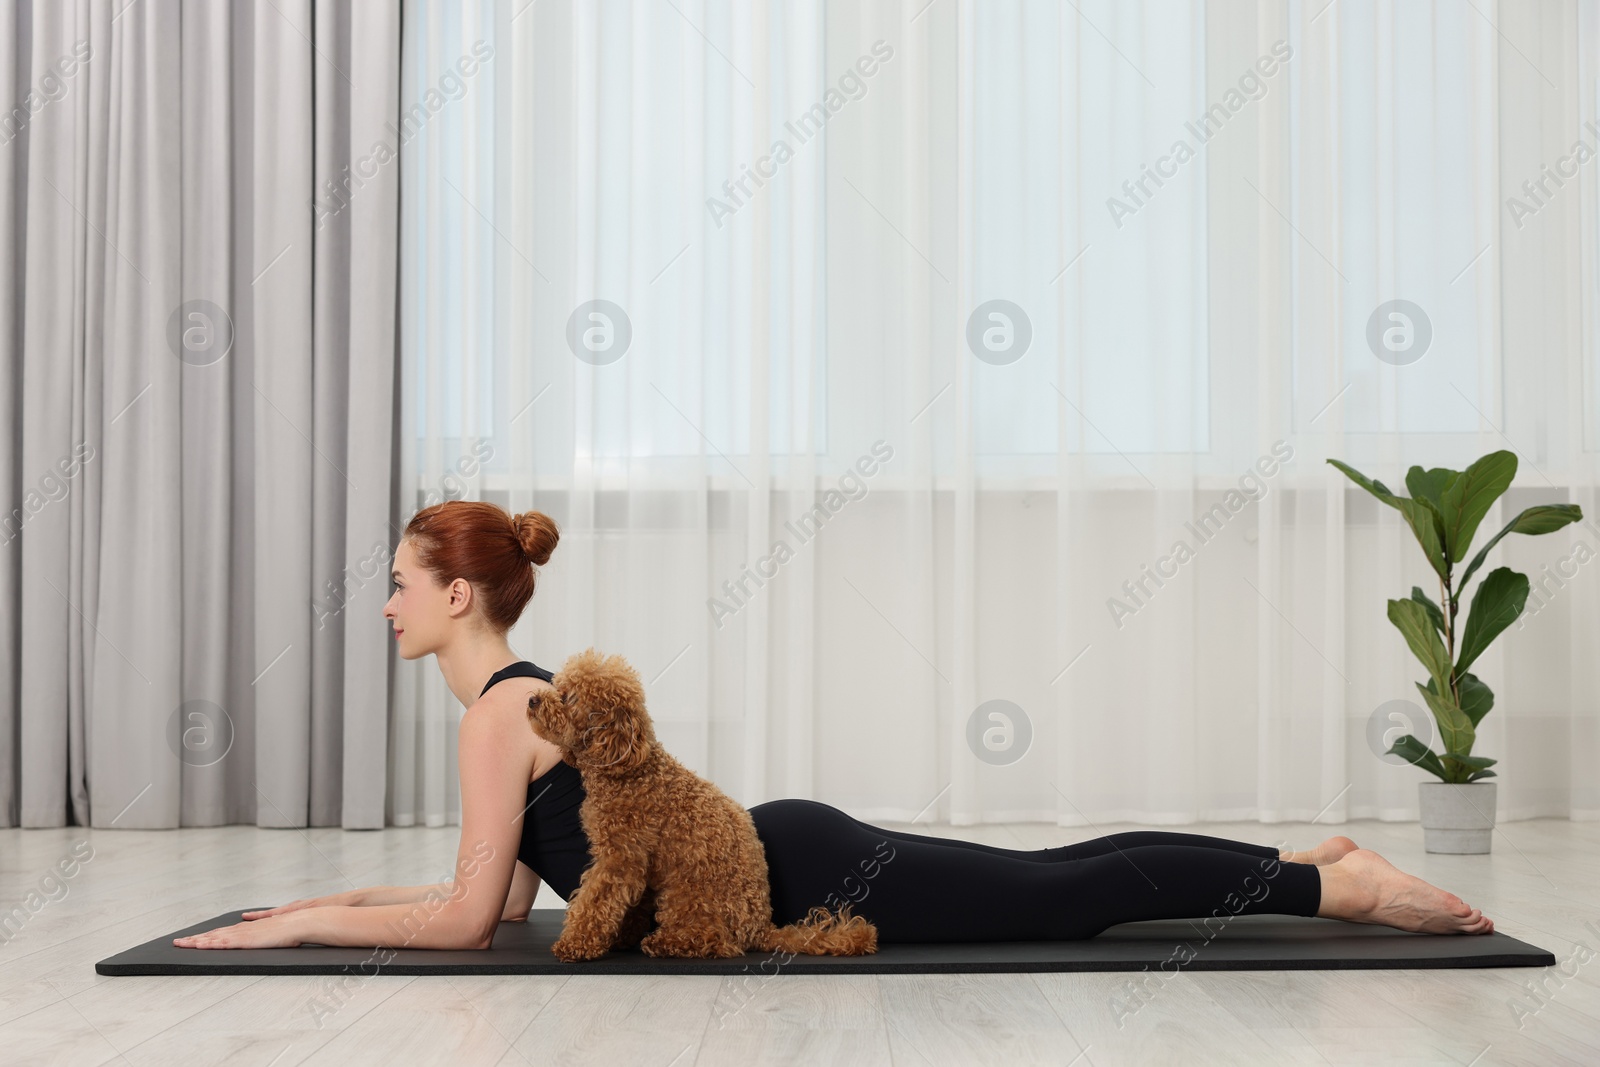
463 573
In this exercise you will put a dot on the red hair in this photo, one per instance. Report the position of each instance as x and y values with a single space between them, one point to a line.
490 548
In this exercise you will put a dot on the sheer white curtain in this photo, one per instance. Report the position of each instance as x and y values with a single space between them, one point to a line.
950 442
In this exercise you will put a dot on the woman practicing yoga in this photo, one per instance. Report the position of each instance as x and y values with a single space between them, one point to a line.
462 574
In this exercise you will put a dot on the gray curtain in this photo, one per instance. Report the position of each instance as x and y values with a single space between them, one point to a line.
198 275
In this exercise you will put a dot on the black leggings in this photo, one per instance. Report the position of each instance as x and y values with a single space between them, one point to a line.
917 888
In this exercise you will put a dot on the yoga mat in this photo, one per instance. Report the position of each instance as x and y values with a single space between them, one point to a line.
1242 943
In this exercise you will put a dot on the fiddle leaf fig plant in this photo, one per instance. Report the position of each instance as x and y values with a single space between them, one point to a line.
1444 510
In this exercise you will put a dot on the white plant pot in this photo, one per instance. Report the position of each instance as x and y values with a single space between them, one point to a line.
1457 817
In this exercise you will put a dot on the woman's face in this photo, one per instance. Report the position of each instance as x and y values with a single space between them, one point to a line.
422 612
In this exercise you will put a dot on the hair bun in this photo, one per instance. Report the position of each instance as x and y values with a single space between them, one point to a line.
537 534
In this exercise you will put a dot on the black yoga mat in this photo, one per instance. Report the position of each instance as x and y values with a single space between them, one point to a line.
1242 943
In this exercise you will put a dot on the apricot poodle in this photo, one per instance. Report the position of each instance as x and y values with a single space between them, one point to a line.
666 844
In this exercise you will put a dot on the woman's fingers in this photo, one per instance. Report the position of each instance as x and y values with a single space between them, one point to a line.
266 934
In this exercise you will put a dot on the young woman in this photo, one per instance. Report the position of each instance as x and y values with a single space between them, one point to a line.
463 573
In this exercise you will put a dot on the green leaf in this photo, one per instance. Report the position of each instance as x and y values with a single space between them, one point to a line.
1411 619
1540 519
1476 698
1468 498
1371 485
1420 515
1438 520
1425 522
1455 729
1426 487
1477 763
1434 614
1418 754
1430 484
1481 774
1498 601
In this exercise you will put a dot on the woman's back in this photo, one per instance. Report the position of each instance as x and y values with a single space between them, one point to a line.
553 845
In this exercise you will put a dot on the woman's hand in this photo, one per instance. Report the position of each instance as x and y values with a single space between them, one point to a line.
350 899
276 932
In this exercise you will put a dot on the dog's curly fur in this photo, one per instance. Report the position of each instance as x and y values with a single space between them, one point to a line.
667 845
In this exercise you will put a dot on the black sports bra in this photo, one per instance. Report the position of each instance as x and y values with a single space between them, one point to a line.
554 845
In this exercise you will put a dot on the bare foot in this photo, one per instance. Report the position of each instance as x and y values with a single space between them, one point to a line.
1330 851
1363 887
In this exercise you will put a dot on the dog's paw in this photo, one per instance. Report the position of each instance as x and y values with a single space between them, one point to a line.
661 944
655 944
571 950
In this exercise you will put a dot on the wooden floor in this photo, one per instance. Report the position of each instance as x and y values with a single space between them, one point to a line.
1540 884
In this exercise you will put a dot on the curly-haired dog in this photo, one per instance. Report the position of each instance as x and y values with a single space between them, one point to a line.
666 844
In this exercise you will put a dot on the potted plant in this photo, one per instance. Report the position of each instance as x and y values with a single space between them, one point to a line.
1443 511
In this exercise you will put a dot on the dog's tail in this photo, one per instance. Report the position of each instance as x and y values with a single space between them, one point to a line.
822 933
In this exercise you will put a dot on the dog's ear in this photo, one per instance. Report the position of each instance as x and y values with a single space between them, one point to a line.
618 740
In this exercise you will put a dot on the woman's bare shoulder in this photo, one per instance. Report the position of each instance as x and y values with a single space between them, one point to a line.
506 705
509 698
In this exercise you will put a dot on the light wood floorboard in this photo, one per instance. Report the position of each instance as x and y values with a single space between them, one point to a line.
1541 884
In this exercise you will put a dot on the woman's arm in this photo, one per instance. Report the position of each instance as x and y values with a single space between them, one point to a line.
524 889
464 913
406 924
354 898
376 895
451 915
425 924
